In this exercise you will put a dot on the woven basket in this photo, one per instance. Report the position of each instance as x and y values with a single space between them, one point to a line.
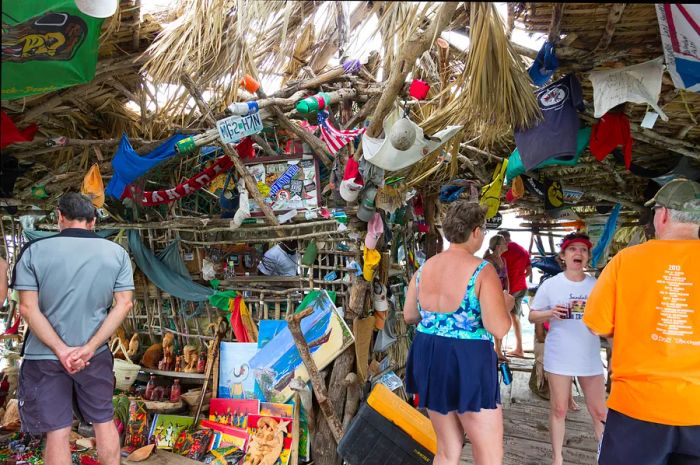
125 371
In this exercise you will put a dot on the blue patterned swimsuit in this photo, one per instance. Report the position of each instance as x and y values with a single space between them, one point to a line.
463 323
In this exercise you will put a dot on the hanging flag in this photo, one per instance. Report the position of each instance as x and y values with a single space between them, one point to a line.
150 198
46 45
491 193
93 186
637 84
334 138
679 25
9 134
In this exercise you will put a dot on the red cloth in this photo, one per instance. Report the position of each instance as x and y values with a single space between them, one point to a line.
245 148
9 134
517 261
611 130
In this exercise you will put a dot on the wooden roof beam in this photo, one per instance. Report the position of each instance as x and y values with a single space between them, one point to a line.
555 24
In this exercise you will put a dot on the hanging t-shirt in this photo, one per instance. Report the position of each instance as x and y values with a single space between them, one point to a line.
555 136
570 349
648 298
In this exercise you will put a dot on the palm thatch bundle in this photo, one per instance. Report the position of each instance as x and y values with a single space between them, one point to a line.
499 94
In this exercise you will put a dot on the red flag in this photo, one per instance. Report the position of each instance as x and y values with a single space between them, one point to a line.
9 134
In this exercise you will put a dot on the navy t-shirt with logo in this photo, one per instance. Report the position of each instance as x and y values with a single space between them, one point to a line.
555 136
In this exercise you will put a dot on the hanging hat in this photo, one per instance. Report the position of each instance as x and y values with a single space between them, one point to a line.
370 261
367 206
402 135
349 189
382 153
97 8
375 228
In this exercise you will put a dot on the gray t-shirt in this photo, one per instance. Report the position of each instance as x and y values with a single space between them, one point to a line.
277 262
76 273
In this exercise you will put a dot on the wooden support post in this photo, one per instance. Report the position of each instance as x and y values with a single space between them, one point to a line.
614 17
250 183
319 386
555 25
412 49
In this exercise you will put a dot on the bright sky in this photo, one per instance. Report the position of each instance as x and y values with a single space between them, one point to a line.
362 42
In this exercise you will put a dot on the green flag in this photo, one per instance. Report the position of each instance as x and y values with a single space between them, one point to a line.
46 45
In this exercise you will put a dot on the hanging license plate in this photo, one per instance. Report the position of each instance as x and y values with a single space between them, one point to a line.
235 128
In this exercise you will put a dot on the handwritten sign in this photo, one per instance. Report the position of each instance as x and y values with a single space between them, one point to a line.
235 128
638 84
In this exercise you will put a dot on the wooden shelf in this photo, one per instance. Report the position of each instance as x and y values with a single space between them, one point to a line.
189 378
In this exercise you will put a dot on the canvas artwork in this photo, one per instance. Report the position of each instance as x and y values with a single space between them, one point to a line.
235 378
276 364
165 429
226 436
272 409
193 444
233 412
268 329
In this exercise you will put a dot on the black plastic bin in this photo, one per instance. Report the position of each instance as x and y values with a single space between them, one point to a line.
371 439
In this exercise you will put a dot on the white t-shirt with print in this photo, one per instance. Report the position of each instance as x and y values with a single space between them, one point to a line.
570 349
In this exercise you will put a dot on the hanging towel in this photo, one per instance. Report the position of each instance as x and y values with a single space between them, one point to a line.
611 130
163 275
601 247
129 165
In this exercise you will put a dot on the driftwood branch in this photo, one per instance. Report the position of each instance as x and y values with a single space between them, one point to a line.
614 17
294 324
555 25
250 183
410 51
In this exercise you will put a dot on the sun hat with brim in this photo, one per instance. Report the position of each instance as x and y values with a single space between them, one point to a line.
97 8
679 194
382 153
375 229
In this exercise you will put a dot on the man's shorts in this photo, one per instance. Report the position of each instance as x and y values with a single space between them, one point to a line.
518 307
628 441
47 393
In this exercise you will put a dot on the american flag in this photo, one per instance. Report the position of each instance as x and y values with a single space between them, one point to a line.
335 139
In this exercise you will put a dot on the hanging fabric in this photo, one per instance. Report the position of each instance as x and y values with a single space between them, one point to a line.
336 139
491 193
93 187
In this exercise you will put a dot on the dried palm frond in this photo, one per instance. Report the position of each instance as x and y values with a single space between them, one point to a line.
499 93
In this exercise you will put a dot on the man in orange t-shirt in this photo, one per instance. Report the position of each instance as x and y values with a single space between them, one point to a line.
648 300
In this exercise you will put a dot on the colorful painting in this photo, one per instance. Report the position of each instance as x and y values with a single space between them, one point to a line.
270 440
226 436
137 425
271 409
276 364
193 444
235 378
233 412
268 329
165 429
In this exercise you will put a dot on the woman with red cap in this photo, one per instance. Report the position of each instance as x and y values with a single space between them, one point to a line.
570 349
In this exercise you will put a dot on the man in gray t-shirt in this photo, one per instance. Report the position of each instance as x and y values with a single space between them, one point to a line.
75 291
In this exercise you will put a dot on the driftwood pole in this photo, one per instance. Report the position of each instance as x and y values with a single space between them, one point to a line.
411 50
250 184
294 324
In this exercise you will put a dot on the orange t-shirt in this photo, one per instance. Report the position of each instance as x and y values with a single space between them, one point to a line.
648 298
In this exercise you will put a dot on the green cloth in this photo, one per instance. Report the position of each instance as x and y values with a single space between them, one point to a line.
46 45
221 299
515 164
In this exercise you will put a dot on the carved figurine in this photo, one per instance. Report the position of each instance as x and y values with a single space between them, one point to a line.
152 356
168 352
133 346
267 442
190 357
178 363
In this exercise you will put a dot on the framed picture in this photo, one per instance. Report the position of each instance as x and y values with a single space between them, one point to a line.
289 182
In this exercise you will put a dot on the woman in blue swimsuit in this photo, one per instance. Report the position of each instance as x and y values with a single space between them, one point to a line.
459 305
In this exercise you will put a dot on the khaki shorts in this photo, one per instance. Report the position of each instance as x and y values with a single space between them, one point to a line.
518 307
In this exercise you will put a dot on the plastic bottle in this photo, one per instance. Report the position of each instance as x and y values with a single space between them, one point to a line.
150 387
175 391
202 362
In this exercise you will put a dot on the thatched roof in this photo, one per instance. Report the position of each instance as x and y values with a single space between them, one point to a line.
139 57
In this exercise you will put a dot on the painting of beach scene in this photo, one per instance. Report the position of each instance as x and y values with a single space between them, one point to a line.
235 378
276 364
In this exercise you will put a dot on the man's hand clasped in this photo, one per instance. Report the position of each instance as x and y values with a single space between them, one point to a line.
75 359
